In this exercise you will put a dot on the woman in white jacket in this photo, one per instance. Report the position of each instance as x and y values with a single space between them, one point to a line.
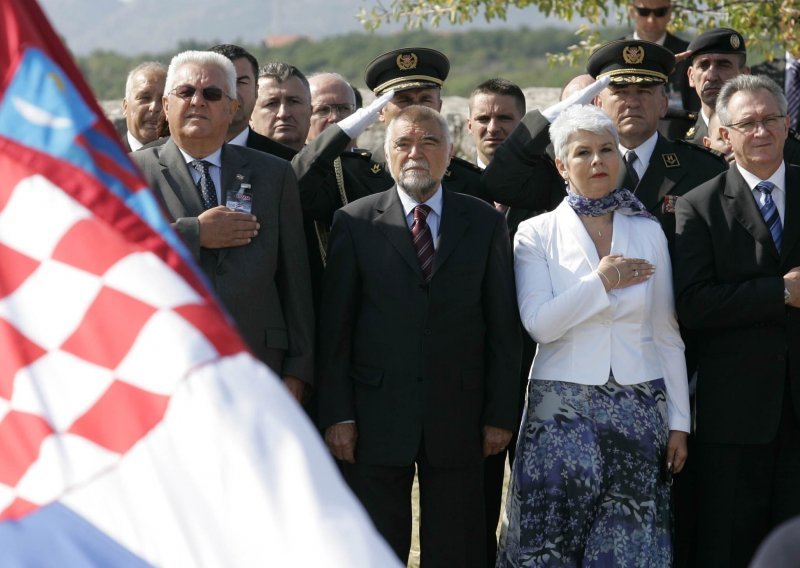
608 408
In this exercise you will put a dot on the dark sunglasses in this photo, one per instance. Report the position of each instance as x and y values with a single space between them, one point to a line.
657 12
186 92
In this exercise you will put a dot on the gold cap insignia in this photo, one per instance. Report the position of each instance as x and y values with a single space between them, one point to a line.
406 61
735 41
671 160
376 168
633 55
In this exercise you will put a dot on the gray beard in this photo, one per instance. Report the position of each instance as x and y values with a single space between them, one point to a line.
419 186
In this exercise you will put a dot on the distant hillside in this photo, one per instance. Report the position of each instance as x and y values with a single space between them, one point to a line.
518 55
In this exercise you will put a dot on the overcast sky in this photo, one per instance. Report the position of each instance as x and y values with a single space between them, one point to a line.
137 26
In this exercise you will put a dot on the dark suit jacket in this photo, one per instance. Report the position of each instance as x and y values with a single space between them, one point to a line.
410 360
268 145
775 70
265 284
729 285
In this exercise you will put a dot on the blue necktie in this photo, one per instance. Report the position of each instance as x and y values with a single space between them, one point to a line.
770 213
205 185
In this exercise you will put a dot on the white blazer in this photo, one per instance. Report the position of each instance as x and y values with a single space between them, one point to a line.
584 331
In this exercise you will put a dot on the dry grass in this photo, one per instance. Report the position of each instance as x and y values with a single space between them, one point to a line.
413 557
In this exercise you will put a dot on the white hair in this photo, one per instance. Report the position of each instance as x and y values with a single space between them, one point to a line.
204 59
588 118
153 66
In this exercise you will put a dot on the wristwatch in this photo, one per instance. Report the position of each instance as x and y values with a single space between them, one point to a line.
787 297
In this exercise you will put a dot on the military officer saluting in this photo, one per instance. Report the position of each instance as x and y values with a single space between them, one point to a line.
416 75
658 170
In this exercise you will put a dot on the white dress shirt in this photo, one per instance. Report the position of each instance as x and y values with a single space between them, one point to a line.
583 331
133 142
778 193
434 218
644 152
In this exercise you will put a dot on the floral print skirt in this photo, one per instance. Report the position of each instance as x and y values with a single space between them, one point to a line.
586 487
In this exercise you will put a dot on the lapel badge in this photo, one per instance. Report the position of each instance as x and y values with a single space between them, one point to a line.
407 61
376 168
633 55
671 160
448 172
690 132
668 207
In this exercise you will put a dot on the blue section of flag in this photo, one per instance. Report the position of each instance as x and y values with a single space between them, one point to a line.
56 536
43 110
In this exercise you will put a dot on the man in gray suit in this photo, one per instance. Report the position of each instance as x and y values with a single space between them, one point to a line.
238 211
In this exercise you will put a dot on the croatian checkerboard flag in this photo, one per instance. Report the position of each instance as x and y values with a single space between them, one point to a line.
135 428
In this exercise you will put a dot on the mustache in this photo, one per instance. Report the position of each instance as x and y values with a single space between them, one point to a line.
415 164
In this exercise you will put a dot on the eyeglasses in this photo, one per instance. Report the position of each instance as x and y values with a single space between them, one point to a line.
657 12
187 92
749 126
324 111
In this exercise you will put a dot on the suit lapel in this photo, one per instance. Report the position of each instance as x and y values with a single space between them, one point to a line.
453 224
574 235
745 211
791 215
391 220
179 180
235 171
658 180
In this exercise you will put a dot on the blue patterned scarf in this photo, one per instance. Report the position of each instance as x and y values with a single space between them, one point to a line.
620 200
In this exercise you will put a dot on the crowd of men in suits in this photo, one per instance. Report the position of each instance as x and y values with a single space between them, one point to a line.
379 284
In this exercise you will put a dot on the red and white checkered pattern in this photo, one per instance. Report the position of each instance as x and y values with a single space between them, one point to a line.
100 334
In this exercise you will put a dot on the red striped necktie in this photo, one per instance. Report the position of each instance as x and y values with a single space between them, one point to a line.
423 240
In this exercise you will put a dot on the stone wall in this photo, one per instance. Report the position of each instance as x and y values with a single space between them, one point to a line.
455 110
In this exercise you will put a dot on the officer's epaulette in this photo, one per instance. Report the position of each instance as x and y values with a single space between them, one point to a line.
462 163
698 148
360 152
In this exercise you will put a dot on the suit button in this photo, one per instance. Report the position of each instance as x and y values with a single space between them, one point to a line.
428 331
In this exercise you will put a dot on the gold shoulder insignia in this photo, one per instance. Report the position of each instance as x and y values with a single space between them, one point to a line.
691 131
671 160
376 168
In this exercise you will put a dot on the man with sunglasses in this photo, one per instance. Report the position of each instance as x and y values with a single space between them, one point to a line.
650 19
238 212
737 282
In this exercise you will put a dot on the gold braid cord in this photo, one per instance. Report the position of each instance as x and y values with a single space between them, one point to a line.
320 228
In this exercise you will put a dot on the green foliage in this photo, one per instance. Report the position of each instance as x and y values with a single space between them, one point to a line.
518 55
768 25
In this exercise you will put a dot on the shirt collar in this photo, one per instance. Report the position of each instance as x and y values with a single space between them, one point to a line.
241 138
480 163
644 151
133 142
434 201
778 178
215 158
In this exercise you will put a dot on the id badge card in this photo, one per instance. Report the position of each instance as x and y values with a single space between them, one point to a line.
241 199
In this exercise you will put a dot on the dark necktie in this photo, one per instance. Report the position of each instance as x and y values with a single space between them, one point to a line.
793 92
630 158
770 213
423 240
205 185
